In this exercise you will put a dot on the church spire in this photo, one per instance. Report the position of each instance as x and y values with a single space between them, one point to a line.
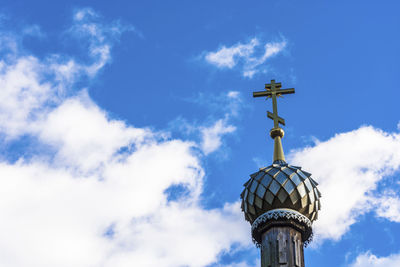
272 90
281 200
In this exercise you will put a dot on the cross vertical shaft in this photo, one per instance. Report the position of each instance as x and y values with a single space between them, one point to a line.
275 110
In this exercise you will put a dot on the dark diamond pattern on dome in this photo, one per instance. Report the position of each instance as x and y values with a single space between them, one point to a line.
289 187
280 186
302 175
302 190
317 192
294 197
245 193
311 196
252 209
266 180
293 168
250 199
258 201
274 187
308 185
281 177
282 195
259 176
253 186
295 178
269 197
287 171
311 207
313 182
304 201
261 191
272 171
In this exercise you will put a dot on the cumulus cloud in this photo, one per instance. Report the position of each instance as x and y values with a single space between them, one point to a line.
370 260
212 136
248 55
388 206
233 94
26 91
23 92
226 105
241 264
96 193
99 37
349 167
225 57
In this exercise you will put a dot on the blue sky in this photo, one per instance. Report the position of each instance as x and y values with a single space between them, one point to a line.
127 129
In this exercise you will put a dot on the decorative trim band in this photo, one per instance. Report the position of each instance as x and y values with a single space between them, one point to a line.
276 214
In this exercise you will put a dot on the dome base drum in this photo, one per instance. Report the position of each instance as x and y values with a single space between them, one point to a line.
281 218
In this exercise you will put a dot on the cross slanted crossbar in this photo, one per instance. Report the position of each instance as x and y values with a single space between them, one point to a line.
272 90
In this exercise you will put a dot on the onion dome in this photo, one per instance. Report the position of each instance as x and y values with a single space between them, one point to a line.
278 186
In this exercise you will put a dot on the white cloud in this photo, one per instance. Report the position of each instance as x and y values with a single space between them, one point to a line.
233 94
90 140
348 168
96 193
226 105
241 264
26 91
232 104
212 136
388 206
247 55
34 30
226 57
88 27
179 236
56 217
23 92
371 260
82 13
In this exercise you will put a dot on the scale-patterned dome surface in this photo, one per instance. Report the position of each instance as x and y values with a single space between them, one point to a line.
280 186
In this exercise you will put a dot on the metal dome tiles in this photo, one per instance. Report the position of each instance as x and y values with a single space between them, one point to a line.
280 186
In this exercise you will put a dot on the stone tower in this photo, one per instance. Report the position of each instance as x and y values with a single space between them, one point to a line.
280 201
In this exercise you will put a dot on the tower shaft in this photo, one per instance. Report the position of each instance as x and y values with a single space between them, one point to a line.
282 246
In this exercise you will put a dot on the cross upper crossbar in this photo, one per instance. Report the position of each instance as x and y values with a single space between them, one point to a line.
272 90
279 92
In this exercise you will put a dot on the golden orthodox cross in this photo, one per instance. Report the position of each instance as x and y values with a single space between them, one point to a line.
272 91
